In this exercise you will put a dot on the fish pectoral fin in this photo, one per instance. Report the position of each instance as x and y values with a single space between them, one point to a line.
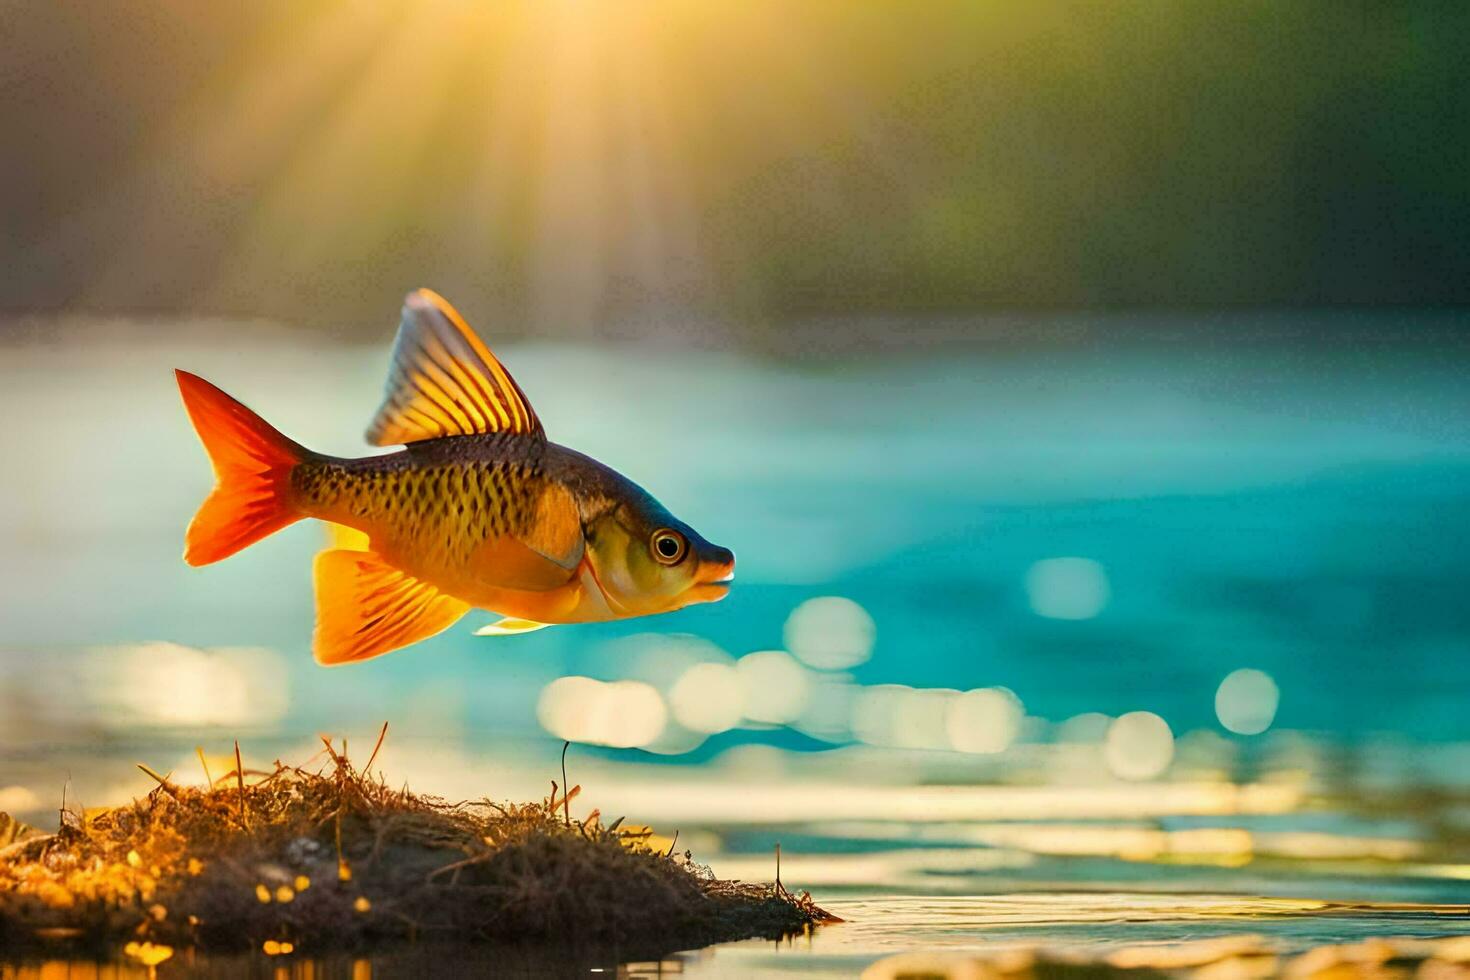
556 532
512 564
365 607
445 382
510 626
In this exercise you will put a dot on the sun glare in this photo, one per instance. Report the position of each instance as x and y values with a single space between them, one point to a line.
554 139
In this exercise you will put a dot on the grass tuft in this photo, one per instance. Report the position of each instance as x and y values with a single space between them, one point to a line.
333 859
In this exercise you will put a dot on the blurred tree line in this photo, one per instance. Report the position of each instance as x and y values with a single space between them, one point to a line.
569 166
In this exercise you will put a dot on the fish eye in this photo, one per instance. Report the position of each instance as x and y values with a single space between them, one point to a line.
669 546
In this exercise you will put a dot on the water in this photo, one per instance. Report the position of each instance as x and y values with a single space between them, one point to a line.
1301 513
1084 926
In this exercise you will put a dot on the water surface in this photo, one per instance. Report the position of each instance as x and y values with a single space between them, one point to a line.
1302 513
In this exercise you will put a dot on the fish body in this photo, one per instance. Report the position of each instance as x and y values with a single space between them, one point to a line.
478 510
446 511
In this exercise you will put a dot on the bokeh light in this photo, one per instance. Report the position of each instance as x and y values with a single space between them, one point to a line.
172 685
621 714
1246 701
1067 588
919 719
566 708
1139 745
984 721
828 712
1088 728
1204 754
875 713
17 799
774 687
708 698
675 739
659 659
830 633
632 714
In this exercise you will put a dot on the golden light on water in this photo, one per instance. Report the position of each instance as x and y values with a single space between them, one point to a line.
1199 845
146 953
763 800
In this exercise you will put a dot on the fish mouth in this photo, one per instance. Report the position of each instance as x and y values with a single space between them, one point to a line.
708 591
714 581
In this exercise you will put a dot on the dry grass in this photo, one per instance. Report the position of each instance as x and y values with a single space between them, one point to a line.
330 859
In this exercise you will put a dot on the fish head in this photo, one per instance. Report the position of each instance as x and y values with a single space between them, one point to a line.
647 561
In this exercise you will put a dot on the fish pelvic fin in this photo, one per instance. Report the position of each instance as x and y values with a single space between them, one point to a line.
510 626
365 607
252 467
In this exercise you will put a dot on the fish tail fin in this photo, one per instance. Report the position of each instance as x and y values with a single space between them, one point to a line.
252 467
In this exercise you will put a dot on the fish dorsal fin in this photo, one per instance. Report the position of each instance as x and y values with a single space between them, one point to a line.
445 382
366 607
510 626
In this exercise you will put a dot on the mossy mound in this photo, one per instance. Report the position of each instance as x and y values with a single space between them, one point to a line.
333 860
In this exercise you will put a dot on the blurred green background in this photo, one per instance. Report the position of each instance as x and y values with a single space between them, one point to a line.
591 169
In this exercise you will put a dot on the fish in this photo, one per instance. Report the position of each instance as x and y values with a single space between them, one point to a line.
478 510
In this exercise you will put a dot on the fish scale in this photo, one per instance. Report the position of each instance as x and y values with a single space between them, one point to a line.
446 510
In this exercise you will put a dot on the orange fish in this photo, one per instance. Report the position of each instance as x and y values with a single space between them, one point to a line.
478 510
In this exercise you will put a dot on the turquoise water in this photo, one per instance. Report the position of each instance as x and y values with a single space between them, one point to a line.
1216 507
1301 513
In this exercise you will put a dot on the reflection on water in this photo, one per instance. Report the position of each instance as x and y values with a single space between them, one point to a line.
1034 627
1128 930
